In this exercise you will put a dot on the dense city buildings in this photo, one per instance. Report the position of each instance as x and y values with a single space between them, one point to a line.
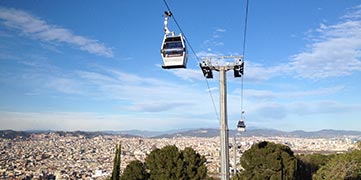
50 155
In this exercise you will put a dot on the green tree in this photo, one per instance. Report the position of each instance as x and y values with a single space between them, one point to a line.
116 163
194 164
169 163
343 166
135 170
267 160
310 163
165 163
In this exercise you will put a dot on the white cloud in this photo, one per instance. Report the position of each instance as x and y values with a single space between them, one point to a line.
212 43
138 93
188 74
209 53
140 100
143 94
157 106
64 85
222 30
322 107
354 13
212 89
34 27
257 72
216 35
267 94
335 52
270 110
167 104
280 111
88 121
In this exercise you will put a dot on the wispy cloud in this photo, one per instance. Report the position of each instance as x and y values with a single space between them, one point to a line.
268 110
37 28
139 100
311 115
188 74
156 107
213 42
208 53
221 30
141 94
335 50
322 107
267 94
217 34
258 72
64 85
354 12
88 121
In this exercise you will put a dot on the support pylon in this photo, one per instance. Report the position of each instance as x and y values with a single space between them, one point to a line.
237 66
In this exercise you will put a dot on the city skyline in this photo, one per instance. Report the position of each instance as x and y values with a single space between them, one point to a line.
97 66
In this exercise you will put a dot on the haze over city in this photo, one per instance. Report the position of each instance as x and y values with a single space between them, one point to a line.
75 65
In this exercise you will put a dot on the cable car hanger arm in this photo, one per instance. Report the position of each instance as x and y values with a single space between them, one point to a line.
167 14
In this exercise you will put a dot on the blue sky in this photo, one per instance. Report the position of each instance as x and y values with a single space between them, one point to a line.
95 65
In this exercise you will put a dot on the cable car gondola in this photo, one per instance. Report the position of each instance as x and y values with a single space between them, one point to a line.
241 126
173 50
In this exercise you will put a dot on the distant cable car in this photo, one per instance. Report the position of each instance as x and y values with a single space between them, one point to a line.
241 126
173 49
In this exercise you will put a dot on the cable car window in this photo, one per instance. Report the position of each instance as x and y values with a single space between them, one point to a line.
172 39
173 45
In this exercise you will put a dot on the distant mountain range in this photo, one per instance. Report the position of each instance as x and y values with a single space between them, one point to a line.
144 133
10 134
327 133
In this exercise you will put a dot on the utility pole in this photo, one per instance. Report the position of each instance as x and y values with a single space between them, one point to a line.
234 156
237 66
